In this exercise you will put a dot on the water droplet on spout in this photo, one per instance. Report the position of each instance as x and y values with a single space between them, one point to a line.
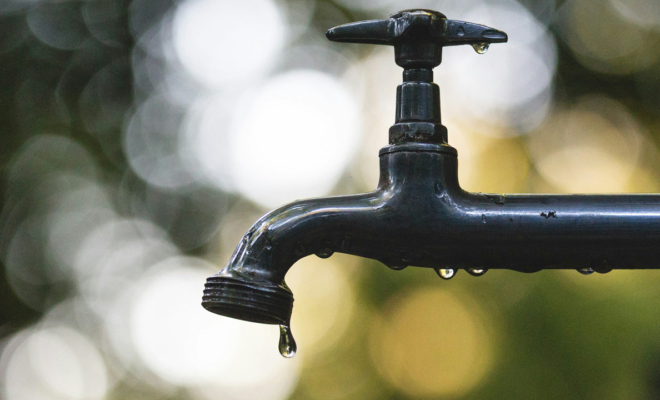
445 273
481 48
287 346
476 271
461 31
325 252
586 271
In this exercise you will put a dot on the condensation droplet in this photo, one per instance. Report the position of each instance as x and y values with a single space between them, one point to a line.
445 273
476 271
481 48
586 271
324 252
483 218
461 31
287 346
397 267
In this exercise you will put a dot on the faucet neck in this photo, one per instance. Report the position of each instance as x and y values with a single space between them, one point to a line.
417 117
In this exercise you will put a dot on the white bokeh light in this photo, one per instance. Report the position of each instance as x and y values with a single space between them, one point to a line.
185 345
115 253
205 143
152 144
223 41
54 363
645 13
511 84
293 137
506 92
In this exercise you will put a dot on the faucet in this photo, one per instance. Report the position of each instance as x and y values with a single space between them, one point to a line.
419 215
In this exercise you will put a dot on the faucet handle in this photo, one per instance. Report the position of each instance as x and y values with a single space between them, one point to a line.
418 36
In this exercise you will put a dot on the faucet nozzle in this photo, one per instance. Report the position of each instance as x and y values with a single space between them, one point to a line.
261 302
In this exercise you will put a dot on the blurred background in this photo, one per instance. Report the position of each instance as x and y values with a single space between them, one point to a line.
140 140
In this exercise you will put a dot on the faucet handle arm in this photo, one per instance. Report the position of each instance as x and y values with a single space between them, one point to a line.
375 31
461 32
418 36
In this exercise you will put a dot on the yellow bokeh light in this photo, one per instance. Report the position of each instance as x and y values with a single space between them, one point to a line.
501 166
602 41
593 147
617 282
324 302
432 342
346 371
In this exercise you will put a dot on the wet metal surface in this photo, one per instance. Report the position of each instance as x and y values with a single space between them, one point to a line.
419 215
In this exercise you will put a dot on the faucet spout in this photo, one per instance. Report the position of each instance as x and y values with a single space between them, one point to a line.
371 225
420 216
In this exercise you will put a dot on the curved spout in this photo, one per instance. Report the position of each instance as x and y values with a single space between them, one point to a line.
252 285
420 216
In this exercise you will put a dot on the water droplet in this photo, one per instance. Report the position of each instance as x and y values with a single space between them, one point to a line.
406 257
476 271
586 271
288 346
481 48
461 31
324 252
445 273
397 267
483 218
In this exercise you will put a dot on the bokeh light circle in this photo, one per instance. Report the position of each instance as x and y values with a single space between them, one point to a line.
578 146
224 41
58 24
605 41
511 84
645 13
52 363
293 138
152 144
433 343
185 345
325 301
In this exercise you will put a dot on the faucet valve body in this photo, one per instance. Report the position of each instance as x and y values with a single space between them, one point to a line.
418 37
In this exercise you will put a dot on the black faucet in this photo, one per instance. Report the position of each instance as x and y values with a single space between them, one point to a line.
419 215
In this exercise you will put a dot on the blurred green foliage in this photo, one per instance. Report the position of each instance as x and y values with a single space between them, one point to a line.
560 339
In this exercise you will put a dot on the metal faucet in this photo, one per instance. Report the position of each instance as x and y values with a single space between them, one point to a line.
419 215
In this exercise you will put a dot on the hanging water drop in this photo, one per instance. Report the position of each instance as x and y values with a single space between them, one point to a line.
481 48
287 346
586 271
325 252
445 273
476 271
